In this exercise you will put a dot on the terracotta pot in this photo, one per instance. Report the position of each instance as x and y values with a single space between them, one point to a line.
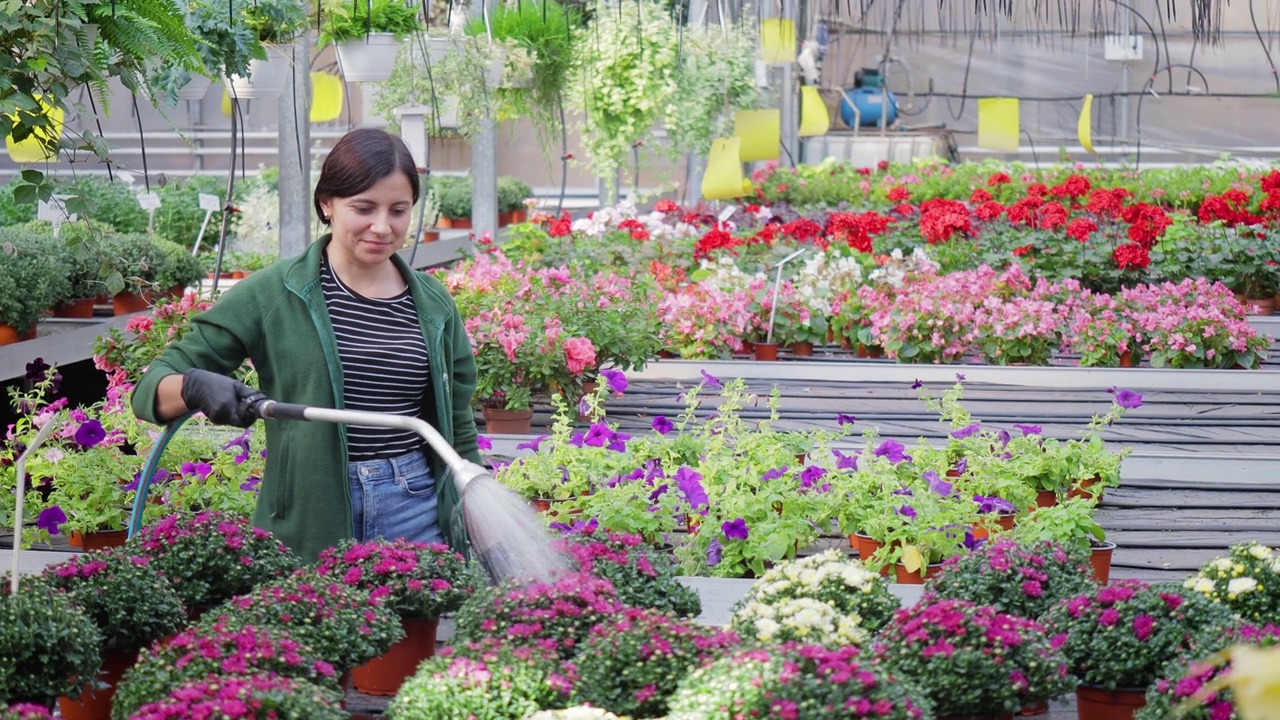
31 334
666 355
869 352
454 223
508 422
8 335
1094 703
97 540
1080 489
1040 708
520 216
802 349
430 236
982 530
748 348
82 308
504 219
543 505
1260 306
1126 359
766 352
918 577
384 674
176 292
1100 560
94 703
126 302
867 546
985 716
1046 498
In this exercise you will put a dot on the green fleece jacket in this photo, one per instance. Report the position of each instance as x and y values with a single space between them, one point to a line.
277 318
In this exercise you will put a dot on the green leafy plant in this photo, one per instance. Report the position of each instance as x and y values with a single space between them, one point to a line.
176 267
453 195
824 599
53 646
129 601
343 21
1069 523
179 217
35 277
512 193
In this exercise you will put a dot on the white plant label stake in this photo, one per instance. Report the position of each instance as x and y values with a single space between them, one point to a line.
210 204
55 212
21 481
150 202
777 283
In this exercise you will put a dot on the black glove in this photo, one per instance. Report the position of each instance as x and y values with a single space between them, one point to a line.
222 399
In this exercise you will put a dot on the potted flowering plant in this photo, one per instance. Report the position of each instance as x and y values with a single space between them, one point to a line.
1018 330
218 647
825 599
1070 524
1023 580
632 663
1209 313
367 35
1102 331
1120 636
343 625
996 664
259 696
1246 581
419 580
1196 686
488 679
126 355
36 281
25 711
641 576
211 557
779 681
702 321
568 462
560 612
51 644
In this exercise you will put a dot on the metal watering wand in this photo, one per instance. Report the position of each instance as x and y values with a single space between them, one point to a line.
20 467
463 471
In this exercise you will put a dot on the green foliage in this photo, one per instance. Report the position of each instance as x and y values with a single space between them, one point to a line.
512 192
13 212
345 21
87 268
179 217
454 194
1069 523
233 33
487 681
34 276
131 603
643 576
51 647
175 265
135 257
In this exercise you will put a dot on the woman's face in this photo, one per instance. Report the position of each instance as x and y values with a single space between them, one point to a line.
369 227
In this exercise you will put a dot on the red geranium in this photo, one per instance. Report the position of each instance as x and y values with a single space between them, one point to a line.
1021 250
715 239
803 229
1146 223
989 210
666 206
899 194
979 196
1231 207
1024 211
1132 255
1052 215
560 227
1107 203
1037 190
998 178
857 230
637 229
1073 187
1081 228
941 219
1270 182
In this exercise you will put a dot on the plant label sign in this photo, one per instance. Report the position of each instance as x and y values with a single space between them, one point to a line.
55 211
149 201
210 203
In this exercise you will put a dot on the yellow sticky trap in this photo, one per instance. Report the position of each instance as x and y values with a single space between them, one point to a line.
1084 126
226 102
36 147
814 119
760 132
998 124
723 177
912 558
326 97
777 40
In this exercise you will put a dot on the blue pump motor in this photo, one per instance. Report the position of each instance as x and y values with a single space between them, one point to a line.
869 101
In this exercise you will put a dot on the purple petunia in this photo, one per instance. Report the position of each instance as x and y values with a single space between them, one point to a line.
893 451
810 474
970 542
598 435
842 419
1028 429
201 469
917 384
1004 437
712 381
483 443
845 462
618 442
937 484
90 433
1127 399
658 492
616 380
533 444
50 519
907 511
662 425
959 378
992 504
774 474
966 431
250 484
961 466
735 529
689 482
713 553
160 476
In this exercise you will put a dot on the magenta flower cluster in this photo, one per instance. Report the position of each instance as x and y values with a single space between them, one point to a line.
1186 679
562 611
251 697
641 576
1023 580
416 579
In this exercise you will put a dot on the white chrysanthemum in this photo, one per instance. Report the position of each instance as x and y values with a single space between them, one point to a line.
856 576
574 713
1223 564
766 629
849 630
1261 552
1241 585
1202 585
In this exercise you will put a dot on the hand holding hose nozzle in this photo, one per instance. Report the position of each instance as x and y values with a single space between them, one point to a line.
224 400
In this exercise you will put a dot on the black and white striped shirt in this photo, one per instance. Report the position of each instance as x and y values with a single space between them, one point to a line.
384 364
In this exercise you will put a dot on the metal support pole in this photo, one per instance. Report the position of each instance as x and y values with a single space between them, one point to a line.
484 179
295 153
1126 67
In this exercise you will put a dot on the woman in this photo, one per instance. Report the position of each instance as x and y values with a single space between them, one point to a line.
347 325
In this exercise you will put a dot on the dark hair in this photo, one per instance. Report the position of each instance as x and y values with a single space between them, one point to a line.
360 159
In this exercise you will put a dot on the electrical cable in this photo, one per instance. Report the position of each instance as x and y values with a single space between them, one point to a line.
1266 50
1137 121
1035 157
142 142
1165 39
93 105
564 154
964 83
227 207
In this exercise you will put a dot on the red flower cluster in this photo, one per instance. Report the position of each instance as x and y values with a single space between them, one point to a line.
1075 186
998 178
666 206
980 196
636 228
989 210
1131 255
716 238
1081 228
1107 203
1231 207
856 230
1024 211
1146 223
1052 215
899 194
803 229
941 219
560 227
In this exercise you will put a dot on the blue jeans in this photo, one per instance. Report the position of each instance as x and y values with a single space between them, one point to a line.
394 498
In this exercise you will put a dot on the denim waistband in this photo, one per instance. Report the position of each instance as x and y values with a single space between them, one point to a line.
389 467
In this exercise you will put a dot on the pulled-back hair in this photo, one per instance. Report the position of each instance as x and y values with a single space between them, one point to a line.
359 160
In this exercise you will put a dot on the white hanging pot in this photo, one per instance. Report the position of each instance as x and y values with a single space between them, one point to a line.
438 48
267 78
195 89
368 59
448 119
497 67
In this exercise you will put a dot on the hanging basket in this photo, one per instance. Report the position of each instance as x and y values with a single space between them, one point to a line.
368 59
266 79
